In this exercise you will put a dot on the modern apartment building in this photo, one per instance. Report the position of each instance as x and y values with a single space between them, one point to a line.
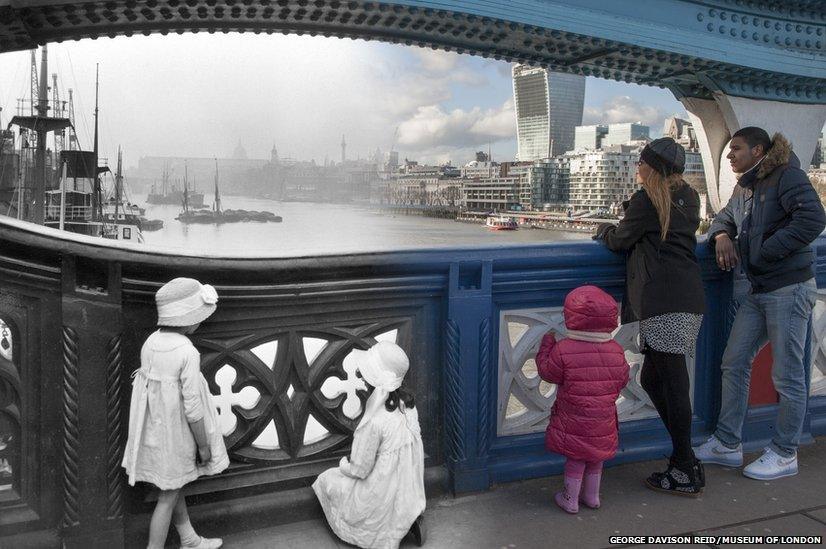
621 134
589 137
544 184
601 180
489 194
548 107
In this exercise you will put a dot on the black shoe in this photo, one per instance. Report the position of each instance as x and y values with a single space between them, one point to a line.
418 531
676 480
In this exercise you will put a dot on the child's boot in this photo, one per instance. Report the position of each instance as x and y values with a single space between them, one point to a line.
590 490
568 499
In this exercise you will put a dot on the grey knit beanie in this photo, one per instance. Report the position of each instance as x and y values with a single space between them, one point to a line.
664 155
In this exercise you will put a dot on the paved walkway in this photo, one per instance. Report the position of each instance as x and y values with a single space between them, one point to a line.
522 514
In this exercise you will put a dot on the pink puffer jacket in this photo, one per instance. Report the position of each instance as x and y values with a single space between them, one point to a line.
590 370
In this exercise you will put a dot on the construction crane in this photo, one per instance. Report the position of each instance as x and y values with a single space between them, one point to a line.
57 111
34 90
73 145
30 139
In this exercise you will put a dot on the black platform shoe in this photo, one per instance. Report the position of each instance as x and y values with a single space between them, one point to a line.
678 480
418 532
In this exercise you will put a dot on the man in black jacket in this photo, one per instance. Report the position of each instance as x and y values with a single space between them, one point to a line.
768 225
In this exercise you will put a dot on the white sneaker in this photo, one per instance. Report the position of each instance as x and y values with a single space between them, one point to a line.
771 465
205 543
713 451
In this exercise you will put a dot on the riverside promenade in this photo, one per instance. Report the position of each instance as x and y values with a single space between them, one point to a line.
522 514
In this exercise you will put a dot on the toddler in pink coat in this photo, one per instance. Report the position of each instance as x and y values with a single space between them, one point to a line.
590 370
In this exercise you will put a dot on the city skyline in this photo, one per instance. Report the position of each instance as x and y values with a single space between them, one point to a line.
163 98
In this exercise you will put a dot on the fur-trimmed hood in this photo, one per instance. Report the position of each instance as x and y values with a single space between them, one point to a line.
779 154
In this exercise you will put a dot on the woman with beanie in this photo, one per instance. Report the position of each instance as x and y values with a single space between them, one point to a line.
664 292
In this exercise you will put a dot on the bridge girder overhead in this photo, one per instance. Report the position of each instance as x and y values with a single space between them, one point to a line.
762 50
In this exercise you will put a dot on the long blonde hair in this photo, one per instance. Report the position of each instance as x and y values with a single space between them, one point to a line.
659 189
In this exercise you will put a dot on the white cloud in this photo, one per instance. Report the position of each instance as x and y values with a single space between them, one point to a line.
623 108
437 61
432 129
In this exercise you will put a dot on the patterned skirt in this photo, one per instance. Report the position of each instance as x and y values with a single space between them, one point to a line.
671 333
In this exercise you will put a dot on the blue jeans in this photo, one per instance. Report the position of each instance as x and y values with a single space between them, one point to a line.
783 318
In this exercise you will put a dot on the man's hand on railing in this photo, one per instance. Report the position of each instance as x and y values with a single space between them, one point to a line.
726 252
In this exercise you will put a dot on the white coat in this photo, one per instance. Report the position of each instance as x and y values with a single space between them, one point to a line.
168 393
372 499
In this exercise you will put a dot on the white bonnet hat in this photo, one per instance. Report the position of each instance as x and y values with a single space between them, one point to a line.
383 366
184 302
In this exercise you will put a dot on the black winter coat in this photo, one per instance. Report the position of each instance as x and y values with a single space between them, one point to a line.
661 276
775 214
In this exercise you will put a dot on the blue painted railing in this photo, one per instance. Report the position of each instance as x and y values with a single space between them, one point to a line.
537 277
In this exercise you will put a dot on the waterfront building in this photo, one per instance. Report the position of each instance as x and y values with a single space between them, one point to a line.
621 134
548 107
589 137
600 180
199 169
543 184
819 157
681 131
492 194
477 168
391 161
423 186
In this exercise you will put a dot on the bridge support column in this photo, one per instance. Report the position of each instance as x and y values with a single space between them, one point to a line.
93 425
716 120
468 375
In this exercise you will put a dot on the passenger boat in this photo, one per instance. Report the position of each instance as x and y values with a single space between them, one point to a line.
501 223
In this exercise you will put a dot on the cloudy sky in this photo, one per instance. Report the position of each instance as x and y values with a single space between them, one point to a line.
200 95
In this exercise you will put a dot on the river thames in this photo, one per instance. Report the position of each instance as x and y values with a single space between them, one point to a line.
325 229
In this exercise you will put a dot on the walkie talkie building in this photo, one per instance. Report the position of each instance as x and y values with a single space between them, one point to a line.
548 107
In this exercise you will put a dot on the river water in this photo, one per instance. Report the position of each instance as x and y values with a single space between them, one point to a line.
324 229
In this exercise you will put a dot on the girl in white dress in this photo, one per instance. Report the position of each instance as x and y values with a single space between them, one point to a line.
374 498
171 416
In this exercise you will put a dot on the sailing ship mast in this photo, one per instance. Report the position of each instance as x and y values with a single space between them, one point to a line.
97 201
38 125
186 194
217 204
118 183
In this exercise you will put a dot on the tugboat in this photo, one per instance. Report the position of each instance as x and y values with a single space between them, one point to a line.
501 223
118 209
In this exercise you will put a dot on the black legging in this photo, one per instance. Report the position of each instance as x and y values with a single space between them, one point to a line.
664 377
